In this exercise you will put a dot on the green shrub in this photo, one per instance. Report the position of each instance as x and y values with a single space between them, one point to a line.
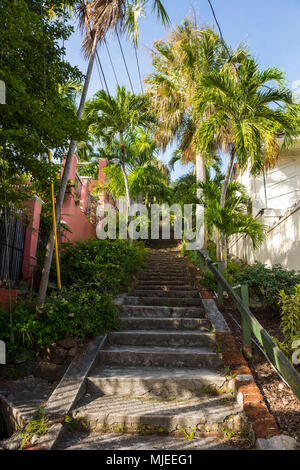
92 273
290 319
105 264
267 282
73 313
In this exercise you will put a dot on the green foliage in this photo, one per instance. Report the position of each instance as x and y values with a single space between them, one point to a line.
103 264
92 272
267 282
290 319
36 426
190 435
233 217
184 190
37 115
229 434
246 118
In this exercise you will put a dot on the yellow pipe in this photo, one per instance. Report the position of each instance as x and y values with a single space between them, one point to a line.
55 232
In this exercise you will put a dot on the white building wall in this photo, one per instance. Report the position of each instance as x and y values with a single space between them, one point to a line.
282 244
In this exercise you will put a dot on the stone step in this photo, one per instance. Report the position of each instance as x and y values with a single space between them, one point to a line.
152 277
166 269
163 301
167 273
156 382
161 311
140 442
182 294
160 356
163 287
165 280
163 283
171 338
115 413
165 323
166 266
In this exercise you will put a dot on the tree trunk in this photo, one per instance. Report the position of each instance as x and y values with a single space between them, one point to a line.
225 186
126 186
200 178
227 178
64 182
225 257
218 245
127 189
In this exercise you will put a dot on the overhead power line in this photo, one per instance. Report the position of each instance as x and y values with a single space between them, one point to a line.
219 27
102 72
111 62
138 66
222 38
100 76
124 60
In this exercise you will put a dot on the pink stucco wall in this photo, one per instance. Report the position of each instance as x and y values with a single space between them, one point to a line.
73 214
31 238
77 222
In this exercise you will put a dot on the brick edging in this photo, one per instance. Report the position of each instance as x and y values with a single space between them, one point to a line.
262 422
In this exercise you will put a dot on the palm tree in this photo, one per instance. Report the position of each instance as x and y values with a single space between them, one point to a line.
233 217
115 120
146 183
96 18
180 62
245 115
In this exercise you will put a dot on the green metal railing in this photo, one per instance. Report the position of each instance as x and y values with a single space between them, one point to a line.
250 325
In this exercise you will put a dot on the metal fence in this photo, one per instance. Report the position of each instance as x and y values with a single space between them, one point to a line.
250 325
12 241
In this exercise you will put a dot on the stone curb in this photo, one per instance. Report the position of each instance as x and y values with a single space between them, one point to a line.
12 415
281 442
69 390
263 426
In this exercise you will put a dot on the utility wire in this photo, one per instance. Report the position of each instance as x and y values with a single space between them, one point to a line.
99 72
223 40
98 59
124 61
219 28
112 65
102 71
138 66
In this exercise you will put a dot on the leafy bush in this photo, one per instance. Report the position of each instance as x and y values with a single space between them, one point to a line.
268 282
105 264
92 273
290 319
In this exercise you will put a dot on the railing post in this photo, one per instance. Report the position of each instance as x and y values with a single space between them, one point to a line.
246 329
245 325
245 295
220 265
203 262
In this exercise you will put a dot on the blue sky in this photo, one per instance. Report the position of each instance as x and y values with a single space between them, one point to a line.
269 27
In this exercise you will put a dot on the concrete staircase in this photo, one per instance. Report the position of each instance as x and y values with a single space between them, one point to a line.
161 373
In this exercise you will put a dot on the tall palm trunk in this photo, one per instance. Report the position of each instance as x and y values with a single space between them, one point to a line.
64 182
218 245
201 177
123 168
126 186
227 178
221 252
